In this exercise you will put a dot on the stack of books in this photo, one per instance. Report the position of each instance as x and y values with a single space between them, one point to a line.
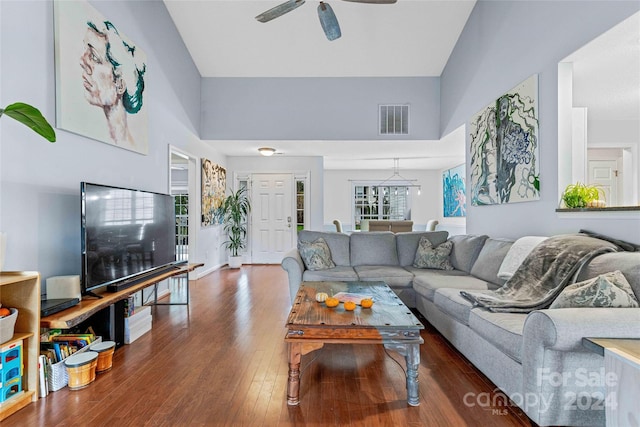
58 346
137 323
55 347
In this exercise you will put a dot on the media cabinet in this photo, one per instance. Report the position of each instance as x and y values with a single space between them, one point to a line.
89 306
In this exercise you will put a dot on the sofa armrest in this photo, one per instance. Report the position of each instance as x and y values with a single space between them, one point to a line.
293 265
563 329
556 366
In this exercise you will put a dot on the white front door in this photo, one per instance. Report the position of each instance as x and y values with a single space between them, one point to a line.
272 224
605 174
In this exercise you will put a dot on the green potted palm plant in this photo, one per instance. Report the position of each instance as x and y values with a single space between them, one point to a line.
236 211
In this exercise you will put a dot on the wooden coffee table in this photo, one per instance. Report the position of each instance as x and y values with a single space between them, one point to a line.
389 322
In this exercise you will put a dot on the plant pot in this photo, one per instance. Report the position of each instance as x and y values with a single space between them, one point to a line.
235 261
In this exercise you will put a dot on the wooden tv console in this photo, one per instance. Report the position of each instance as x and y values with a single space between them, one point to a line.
89 306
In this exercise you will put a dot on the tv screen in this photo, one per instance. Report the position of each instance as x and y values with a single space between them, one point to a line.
126 234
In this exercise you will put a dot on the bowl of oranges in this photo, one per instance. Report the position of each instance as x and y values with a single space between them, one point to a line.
8 318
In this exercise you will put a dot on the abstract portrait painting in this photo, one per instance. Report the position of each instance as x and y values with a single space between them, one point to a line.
454 192
214 186
504 148
100 78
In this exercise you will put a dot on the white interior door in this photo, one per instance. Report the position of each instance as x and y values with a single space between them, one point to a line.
272 224
605 174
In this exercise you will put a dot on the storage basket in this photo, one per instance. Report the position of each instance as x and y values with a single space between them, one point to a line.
7 324
58 376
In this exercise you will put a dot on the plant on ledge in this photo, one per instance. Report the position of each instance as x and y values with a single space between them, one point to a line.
580 195
236 211
30 117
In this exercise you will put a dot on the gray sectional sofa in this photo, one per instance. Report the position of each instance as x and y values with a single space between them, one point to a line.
524 354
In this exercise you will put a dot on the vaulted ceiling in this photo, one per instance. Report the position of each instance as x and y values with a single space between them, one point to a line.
408 38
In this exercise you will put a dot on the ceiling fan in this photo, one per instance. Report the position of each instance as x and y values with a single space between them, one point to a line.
328 19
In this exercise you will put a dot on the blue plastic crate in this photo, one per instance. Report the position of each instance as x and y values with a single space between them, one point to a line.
11 388
10 370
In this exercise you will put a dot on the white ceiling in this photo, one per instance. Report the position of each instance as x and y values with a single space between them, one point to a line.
408 38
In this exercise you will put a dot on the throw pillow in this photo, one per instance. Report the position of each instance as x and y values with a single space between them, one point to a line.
428 256
315 255
605 290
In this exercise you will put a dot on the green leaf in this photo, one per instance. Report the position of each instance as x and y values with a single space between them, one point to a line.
32 118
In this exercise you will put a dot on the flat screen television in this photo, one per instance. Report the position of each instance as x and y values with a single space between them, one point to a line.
127 235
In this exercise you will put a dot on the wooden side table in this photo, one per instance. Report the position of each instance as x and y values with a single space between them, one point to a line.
622 374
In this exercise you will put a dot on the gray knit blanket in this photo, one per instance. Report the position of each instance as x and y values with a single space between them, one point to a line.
543 274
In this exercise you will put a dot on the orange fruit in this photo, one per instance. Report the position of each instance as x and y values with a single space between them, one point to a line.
332 302
349 305
366 302
4 312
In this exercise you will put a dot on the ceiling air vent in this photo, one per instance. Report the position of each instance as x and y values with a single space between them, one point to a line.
394 119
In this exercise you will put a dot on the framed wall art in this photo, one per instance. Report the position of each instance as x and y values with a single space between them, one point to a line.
100 78
454 192
214 187
504 148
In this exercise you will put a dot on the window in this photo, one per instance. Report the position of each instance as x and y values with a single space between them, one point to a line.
182 226
300 205
376 202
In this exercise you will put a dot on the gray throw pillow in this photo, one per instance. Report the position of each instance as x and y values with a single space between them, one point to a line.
428 256
316 255
605 290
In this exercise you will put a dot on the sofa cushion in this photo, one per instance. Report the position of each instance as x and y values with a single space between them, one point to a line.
627 262
337 274
428 256
490 259
605 290
407 244
373 249
338 244
315 255
426 282
450 302
516 254
465 250
504 330
394 276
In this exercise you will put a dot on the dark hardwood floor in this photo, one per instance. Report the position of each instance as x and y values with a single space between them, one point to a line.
221 361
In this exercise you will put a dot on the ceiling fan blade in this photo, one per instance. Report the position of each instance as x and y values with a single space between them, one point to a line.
374 1
329 21
279 10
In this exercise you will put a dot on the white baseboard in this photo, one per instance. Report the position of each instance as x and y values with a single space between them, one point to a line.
201 273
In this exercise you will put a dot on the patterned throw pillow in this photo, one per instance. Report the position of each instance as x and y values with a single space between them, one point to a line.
316 255
437 257
606 290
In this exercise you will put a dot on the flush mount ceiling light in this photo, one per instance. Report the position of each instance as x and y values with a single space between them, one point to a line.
267 151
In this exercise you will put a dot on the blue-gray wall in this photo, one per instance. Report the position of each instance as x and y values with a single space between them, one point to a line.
315 108
503 43
40 182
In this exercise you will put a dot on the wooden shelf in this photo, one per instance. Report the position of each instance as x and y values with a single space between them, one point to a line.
21 290
90 305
